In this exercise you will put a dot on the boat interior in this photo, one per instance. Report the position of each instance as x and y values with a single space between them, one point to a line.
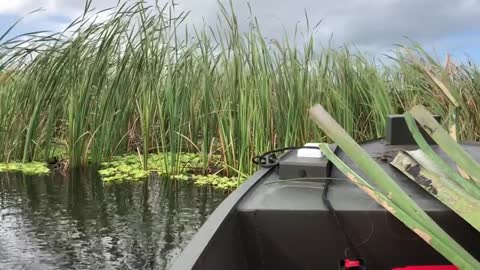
304 214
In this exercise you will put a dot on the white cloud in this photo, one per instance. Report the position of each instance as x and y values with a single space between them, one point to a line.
10 6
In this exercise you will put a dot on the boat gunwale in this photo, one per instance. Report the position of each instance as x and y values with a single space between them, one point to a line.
202 239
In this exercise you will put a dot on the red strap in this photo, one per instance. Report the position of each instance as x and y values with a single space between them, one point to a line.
429 267
350 264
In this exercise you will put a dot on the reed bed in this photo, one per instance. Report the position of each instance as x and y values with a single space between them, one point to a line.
142 81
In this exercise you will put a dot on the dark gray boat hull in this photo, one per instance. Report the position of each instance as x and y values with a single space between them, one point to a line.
275 224
219 242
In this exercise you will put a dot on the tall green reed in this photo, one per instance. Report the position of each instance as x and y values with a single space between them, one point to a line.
138 79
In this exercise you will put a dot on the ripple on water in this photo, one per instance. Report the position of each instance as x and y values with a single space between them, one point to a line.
75 222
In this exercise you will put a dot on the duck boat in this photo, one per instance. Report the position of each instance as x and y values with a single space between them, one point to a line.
299 211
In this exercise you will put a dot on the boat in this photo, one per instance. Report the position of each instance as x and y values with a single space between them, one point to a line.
300 212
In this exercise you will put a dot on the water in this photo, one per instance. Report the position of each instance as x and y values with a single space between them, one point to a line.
75 222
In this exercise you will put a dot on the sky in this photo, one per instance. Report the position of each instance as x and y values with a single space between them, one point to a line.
374 26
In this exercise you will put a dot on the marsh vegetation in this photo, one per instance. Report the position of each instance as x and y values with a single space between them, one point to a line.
139 80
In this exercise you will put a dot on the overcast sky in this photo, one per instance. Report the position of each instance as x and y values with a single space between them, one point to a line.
372 25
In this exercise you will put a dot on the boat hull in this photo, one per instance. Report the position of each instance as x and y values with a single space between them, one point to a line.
274 223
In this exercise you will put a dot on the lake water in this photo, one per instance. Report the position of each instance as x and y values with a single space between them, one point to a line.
76 222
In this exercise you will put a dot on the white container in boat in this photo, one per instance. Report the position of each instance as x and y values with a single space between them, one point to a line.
310 152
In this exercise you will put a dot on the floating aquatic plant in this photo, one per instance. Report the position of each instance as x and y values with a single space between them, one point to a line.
32 168
218 182
131 167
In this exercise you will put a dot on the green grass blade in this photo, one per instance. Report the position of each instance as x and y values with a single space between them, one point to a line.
387 185
423 171
468 186
443 244
441 136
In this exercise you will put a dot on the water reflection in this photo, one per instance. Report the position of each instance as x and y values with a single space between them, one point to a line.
75 222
